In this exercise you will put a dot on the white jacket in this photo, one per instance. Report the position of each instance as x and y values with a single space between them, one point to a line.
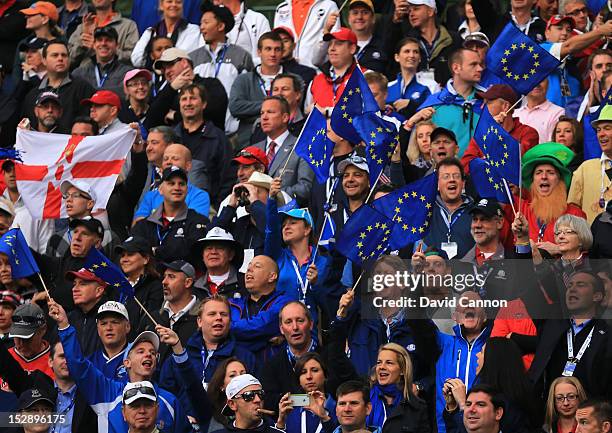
189 39
313 26
248 27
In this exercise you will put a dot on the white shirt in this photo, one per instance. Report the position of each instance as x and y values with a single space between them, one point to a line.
174 317
278 140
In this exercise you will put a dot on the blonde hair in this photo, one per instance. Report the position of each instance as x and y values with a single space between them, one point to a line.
413 152
405 364
552 416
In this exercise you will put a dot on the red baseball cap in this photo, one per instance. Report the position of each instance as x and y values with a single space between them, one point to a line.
557 19
103 97
344 34
284 29
251 155
502 91
86 275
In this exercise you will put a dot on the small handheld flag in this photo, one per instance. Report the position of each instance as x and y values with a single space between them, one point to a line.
314 146
14 245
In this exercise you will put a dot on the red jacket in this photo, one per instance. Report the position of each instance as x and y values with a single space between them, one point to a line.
525 135
322 87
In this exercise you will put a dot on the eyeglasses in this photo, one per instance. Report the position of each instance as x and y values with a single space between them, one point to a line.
250 395
575 13
454 176
139 83
569 397
248 154
565 232
75 195
26 320
139 390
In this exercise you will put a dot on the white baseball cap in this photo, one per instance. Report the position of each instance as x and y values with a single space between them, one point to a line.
430 3
113 307
149 336
80 185
136 390
237 384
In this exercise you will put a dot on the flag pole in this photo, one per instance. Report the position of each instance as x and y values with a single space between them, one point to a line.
145 311
509 194
296 142
515 104
343 4
373 187
43 284
342 310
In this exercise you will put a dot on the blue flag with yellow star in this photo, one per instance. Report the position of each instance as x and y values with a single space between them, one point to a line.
380 137
106 270
355 100
410 208
519 60
14 245
500 149
314 146
365 235
487 181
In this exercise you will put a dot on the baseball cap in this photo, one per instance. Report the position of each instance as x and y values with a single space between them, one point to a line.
286 30
251 155
47 9
32 44
430 3
302 214
10 297
103 97
85 275
173 171
502 91
261 180
344 34
180 266
488 207
558 19
237 384
168 56
222 13
442 131
90 223
136 390
27 319
135 73
82 186
366 3
6 206
478 38
134 244
48 96
108 31
149 336
113 307
356 160
30 397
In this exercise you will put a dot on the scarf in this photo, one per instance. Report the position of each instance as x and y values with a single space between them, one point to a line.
379 404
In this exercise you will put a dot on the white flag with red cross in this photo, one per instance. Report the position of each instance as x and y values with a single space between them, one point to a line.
50 159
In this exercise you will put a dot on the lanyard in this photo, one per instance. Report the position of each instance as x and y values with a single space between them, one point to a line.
541 230
303 285
603 188
160 237
335 85
262 84
100 81
292 358
220 59
453 220
303 428
583 348
330 183
205 359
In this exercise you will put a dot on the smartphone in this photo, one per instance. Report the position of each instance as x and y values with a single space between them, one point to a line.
299 400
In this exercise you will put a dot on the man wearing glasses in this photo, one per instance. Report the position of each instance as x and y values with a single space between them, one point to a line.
245 398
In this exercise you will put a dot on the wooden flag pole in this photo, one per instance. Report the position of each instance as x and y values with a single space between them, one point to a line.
145 311
44 285
342 310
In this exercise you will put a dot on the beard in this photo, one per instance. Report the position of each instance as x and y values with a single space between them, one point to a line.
551 207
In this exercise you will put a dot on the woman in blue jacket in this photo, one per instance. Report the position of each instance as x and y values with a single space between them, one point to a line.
320 414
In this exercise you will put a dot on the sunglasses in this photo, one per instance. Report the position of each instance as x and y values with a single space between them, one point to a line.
142 390
250 395
26 320
248 154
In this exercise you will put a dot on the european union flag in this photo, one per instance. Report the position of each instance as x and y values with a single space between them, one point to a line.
410 208
380 137
106 270
487 181
355 100
314 146
501 150
519 60
14 245
595 6
365 235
